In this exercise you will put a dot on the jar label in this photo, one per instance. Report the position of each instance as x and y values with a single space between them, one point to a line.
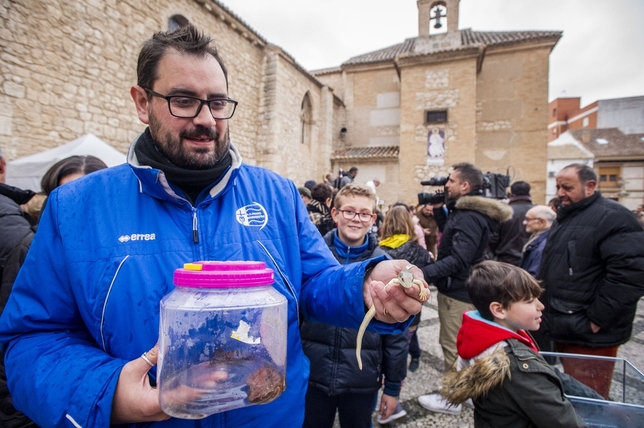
242 335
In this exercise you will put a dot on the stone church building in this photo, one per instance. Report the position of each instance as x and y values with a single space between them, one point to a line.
404 113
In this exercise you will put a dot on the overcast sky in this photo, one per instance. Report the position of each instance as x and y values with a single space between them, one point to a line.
600 56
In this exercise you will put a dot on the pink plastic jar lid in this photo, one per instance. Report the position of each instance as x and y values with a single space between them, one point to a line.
214 274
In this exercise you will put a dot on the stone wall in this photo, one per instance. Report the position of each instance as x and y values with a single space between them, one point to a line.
512 116
66 68
374 118
372 100
447 85
287 150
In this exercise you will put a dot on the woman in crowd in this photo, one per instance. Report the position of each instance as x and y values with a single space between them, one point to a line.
399 240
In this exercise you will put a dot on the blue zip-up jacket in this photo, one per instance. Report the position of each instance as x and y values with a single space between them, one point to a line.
87 298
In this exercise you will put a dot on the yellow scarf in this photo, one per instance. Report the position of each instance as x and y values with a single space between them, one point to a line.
395 241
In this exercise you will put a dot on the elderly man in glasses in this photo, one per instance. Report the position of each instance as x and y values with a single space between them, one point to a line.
86 304
537 222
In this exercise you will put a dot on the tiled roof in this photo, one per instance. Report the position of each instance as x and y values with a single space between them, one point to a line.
383 152
468 38
322 71
567 151
495 38
386 54
618 144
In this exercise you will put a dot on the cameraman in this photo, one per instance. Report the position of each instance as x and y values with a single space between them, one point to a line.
466 232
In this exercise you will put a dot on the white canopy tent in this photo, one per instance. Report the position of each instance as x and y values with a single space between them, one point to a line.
27 172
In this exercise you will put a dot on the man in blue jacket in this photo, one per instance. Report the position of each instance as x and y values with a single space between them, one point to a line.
86 303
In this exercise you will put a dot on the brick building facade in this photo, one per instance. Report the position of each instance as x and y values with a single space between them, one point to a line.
67 67
426 103
566 113
482 96
627 114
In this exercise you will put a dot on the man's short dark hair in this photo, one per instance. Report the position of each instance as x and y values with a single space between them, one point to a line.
321 192
353 170
471 174
185 40
584 172
492 281
520 188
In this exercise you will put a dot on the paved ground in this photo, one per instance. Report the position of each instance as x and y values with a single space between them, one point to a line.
427 378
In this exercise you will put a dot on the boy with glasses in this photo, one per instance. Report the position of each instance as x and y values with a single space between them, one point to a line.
336 383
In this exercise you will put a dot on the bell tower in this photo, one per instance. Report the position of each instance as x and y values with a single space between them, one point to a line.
437 12
434 16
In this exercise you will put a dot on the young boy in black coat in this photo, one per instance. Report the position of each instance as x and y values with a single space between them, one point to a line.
336 383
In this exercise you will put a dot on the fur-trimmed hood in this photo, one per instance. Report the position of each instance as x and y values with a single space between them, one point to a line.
483 363
475 380
492 208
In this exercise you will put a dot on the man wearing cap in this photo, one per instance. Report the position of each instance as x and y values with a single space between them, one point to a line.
305 194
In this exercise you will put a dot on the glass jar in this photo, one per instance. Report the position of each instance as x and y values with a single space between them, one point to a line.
222 339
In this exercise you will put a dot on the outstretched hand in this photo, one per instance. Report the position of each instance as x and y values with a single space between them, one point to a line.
135 400
394 304
387 406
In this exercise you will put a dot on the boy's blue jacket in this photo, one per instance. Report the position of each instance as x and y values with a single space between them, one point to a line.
87 298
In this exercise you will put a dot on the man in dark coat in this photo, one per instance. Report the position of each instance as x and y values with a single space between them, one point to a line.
348 177
512 235
472 220
593 270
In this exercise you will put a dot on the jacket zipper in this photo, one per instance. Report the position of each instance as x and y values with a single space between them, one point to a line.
195 226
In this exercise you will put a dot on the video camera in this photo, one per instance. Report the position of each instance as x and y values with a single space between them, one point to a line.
494 186
436 197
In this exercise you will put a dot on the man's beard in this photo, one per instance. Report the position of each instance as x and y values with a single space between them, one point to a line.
196 158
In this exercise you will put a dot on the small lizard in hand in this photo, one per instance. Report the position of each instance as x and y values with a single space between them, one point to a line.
405 279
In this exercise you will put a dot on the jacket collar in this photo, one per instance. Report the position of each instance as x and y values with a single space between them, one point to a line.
489 207
536 239
522 198
153 181
572 209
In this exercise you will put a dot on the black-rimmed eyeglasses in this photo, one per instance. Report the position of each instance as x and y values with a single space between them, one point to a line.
188 107
350 215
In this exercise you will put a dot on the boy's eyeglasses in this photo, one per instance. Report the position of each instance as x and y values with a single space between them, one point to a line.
350 215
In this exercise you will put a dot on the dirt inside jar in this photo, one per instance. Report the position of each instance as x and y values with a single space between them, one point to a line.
265 384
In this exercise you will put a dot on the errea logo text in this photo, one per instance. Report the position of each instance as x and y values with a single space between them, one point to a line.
137 237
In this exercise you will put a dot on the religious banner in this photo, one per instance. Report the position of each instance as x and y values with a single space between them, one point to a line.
436 145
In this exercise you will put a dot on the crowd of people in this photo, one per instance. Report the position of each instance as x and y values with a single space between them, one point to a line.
573 273
80 298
